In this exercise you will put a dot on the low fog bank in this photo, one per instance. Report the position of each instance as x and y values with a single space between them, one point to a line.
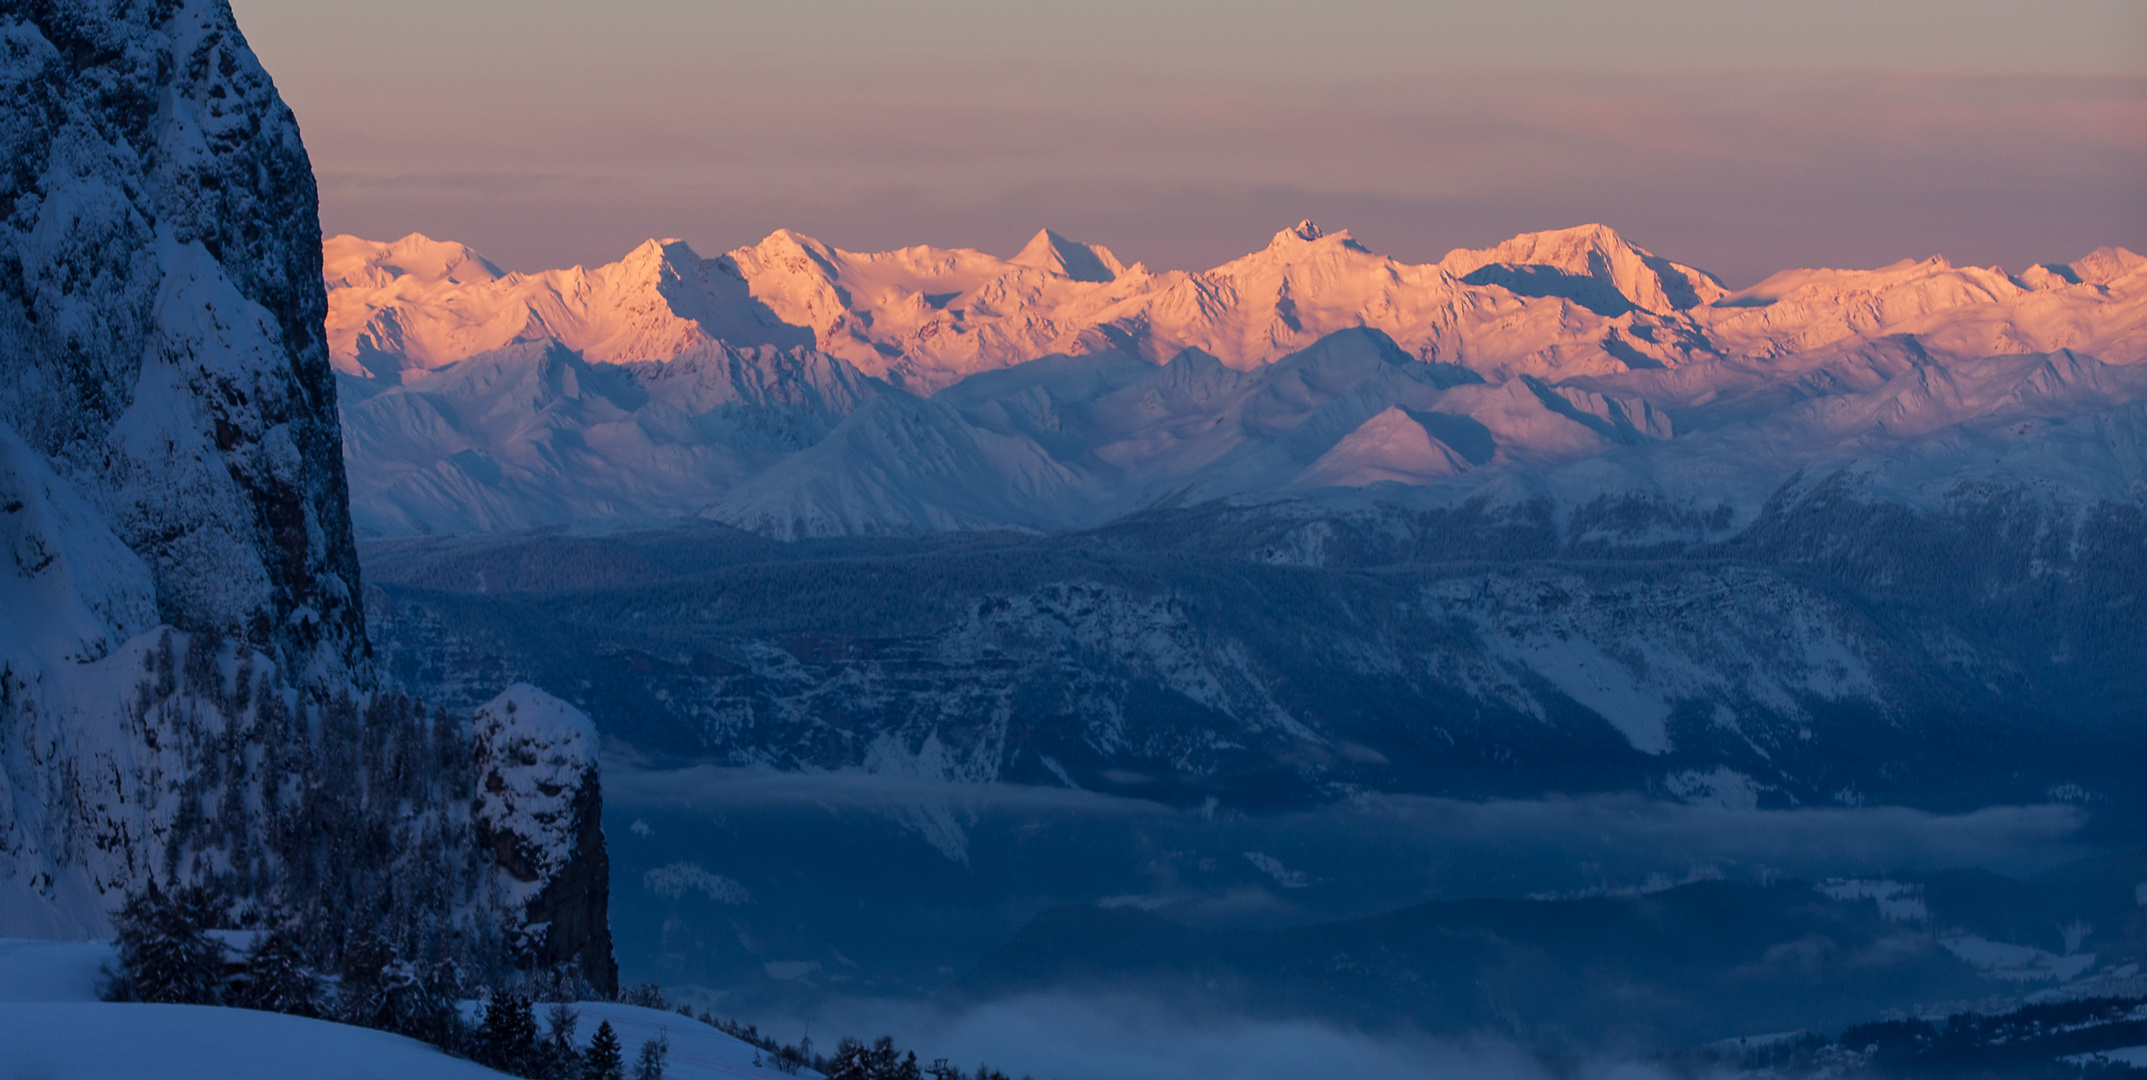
1073 934
1218 866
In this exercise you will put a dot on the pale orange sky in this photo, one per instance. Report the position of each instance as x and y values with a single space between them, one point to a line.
1742 138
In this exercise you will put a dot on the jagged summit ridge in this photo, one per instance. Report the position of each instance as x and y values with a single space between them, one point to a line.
1566 261
1583 301
1572 358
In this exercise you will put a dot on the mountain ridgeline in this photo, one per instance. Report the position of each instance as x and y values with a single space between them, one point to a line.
186 688
1553 516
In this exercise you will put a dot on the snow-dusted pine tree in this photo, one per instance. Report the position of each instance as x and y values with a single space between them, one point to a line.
507 1038
603 1061
851 1061
278 978
164 956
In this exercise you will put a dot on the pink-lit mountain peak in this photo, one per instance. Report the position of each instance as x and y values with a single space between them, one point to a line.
1055 254
1592 252
1555 304
415 256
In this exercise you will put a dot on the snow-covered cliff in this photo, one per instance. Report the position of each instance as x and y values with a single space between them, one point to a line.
186 691
161 318
539 812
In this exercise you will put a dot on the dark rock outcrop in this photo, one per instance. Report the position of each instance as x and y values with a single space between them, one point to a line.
539 812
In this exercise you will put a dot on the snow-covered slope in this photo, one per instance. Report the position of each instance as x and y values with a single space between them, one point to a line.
53 1025
1066 389
99 1040
533 434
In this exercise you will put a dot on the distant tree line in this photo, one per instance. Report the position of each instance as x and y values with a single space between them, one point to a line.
852 1059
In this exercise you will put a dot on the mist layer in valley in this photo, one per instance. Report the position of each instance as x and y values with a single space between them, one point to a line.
1602 924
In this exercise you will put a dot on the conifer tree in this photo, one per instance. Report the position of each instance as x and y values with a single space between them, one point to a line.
603 1061
852 1061
439 1018
363 997
507 1038
278 978
163 953
561 1059
654 1052
404 1005
883 1062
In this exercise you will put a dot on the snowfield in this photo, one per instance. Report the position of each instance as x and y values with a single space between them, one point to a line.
101 1041
54 1027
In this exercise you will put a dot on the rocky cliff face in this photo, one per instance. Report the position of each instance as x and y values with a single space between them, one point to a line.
161 315
539 813
186 691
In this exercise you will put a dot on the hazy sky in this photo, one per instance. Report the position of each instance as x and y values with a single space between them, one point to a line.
1739 137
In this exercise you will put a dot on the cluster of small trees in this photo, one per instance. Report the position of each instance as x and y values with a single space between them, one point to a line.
168 954
508 1040
852 1060
345 817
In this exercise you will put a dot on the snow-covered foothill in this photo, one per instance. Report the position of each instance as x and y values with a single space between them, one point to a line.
54 1026
1897 902
54 971
53 1023
2017 963
535 434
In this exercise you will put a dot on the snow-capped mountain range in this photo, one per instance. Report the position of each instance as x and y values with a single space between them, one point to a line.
1789 539
797 389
